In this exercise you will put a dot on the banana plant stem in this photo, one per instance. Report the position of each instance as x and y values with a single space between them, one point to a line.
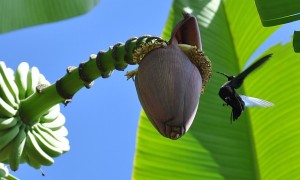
33 107
100 65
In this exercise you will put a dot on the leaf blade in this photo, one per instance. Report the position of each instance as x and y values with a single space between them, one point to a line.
15 14
276 129
278 11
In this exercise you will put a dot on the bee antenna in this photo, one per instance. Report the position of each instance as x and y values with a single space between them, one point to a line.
228 77
222 73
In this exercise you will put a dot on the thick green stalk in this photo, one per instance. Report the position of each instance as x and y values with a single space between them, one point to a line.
102 64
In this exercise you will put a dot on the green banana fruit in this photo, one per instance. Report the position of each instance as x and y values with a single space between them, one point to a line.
6 95
32 80
51 115
9 89
65 143
6 123
62 131
48 148
4 152
31 161
8 135
43 80
9 78
35 152
21 79
57 123
17 149
6 110
52 138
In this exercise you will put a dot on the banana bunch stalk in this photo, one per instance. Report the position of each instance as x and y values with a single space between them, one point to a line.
32 127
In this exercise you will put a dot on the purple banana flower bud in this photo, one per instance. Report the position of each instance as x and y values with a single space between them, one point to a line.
170 79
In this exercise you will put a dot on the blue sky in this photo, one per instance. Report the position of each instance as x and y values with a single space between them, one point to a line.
102 121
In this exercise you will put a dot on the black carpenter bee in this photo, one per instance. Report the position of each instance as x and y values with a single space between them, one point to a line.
238 102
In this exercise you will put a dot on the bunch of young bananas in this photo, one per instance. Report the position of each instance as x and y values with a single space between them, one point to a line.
19 143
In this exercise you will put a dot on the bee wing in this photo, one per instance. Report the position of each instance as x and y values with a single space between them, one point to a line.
253 102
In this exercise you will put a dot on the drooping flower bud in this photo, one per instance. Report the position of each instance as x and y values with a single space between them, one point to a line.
170 79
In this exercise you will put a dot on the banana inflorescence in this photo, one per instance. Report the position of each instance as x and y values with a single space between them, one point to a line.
37 144
36 141
36 138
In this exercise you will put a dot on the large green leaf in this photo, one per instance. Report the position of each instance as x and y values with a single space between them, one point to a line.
16 14
263 143
274 12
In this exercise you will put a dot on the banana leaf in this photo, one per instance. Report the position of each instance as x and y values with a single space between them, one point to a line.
277 12
16 14
263 143
296 41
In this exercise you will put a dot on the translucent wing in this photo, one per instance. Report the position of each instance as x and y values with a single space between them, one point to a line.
252 102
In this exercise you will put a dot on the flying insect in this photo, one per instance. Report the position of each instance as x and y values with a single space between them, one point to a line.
239 102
